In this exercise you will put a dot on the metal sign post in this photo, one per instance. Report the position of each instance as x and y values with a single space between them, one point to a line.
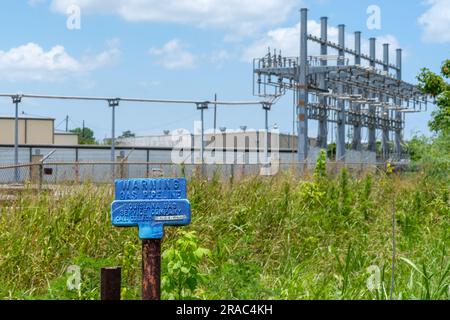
150 204
151 269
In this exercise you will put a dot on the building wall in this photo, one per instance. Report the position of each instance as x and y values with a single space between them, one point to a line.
39 131
66 139
286 141
31 131
7 133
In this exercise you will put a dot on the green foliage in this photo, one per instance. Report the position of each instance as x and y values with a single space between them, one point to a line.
366 204
239 273
431 83
416 147
85 135
127 134
263 238
181 274
131 253
445 70
344 192
320 171
435 85
432 284
441 116
432 155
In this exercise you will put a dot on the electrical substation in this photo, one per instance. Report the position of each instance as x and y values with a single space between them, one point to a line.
339 90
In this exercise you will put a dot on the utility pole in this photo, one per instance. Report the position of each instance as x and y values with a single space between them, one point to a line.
215 113
67 123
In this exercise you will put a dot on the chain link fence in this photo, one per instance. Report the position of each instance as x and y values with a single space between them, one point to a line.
105 172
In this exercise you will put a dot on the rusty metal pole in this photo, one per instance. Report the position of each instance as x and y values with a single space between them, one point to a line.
151 269
111 279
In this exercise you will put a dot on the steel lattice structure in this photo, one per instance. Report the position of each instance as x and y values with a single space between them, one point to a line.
345 94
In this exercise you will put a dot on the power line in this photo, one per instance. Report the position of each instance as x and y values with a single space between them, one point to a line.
141 100
56 127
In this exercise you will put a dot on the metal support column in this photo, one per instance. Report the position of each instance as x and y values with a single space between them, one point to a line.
16 100
385 136
202 107
113 103
322 139
372 143
356 144
266 108
340 143
398 114
302 114
202 145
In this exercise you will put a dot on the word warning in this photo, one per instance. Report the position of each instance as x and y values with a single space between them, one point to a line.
150 204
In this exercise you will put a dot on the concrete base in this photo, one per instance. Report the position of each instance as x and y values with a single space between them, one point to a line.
359 161
357 157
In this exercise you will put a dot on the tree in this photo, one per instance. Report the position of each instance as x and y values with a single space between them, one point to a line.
127 134
434 152
434 85
85 135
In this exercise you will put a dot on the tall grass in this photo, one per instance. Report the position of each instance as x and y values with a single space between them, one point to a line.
270 238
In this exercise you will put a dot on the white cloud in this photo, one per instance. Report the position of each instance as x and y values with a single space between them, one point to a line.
243 17
219 57
105 58
31 62
174 55
436 22
288 41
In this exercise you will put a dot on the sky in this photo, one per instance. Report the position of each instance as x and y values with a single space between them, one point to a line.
190 49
